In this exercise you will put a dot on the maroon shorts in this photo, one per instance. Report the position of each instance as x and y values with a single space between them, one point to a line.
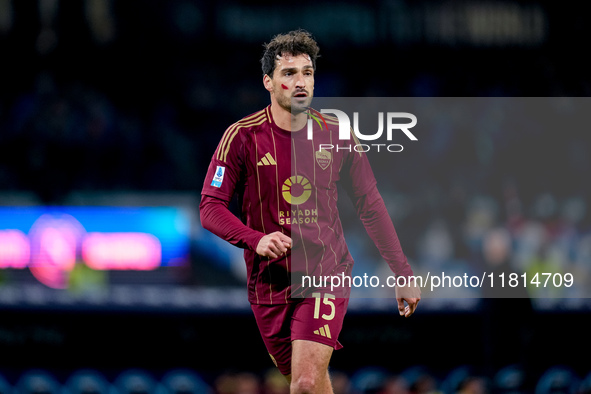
317 319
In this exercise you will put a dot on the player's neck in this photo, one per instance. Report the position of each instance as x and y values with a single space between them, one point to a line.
285 119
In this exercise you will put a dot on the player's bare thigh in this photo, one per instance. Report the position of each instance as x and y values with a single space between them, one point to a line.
309 367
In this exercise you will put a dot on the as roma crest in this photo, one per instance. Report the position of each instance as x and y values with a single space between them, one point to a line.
323 158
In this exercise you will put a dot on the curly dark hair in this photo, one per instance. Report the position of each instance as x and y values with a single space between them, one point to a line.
295 43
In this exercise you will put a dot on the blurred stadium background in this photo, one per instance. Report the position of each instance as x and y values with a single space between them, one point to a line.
110 112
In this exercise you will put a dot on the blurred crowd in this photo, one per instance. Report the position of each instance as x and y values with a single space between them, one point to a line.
103 96
143 104
416 380
367 380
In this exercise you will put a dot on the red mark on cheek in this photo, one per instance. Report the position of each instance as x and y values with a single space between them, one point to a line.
284 87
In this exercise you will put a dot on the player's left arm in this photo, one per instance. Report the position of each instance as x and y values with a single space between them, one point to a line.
376 220
361 186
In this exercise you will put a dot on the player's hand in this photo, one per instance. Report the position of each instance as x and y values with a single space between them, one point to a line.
409 293
273 245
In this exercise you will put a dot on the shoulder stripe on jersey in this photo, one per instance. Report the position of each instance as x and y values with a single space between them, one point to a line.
230 132
230 129
334 121
235 133
330 118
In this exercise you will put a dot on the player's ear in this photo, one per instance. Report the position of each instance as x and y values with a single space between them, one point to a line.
268 83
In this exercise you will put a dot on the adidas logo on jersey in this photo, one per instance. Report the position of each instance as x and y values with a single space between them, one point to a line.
267 160
323 331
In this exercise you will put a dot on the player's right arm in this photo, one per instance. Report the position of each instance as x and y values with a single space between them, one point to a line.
217 218
225 170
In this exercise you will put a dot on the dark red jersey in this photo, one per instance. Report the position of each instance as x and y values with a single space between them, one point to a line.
286 183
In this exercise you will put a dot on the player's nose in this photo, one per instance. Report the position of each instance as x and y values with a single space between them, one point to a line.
300 82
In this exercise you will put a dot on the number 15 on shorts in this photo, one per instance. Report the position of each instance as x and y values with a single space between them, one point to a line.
326 300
